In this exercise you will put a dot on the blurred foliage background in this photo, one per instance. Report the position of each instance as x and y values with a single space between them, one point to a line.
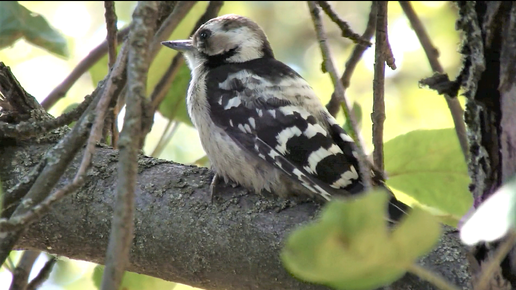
290 31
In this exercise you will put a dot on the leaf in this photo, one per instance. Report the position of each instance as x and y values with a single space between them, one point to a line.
173 107
493 218
17 21
351 247
134 281
428 165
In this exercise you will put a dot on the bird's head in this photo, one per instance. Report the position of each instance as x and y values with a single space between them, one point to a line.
226 39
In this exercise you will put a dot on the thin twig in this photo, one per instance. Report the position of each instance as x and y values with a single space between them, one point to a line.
489 267
95 55
168 26
163 86
131 140
165 137
111 21
22 271
43 274
110 125
21 221
339 90
432 55
333 105
431 277
113 84
343 25
378 115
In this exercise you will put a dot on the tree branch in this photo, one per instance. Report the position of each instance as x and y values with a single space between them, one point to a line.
179 235
131 140
378 115
344 27
22 271
95 55
333 105
110 124
432 55
43 274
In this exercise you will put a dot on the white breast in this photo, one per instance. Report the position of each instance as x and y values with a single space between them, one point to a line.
226 157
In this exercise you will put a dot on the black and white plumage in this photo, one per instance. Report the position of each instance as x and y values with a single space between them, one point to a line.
260 123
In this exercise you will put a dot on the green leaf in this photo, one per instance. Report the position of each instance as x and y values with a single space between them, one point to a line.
17 21
173 107
134 281
351 247
428 165
493 218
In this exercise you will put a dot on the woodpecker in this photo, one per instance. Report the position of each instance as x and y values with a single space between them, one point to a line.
260 123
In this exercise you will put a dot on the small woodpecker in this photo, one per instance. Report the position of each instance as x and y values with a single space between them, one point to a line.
260 123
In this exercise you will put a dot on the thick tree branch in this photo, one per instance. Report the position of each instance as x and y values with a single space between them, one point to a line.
179 236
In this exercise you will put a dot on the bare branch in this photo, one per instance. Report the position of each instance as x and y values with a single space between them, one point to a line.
21 221
111 21
110 124
83 66
432 55
22 271
113 84
378 115
169 25
339 90
131 140
343 25
333 105
43 274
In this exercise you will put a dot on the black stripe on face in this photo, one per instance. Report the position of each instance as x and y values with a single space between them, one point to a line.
214 61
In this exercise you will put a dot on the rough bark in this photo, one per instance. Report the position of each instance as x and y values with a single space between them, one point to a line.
233 243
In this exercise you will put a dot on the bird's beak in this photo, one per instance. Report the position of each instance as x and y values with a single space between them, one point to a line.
179 45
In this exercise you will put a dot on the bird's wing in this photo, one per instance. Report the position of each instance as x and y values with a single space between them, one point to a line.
251 106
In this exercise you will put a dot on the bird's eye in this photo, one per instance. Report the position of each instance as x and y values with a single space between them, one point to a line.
204 34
